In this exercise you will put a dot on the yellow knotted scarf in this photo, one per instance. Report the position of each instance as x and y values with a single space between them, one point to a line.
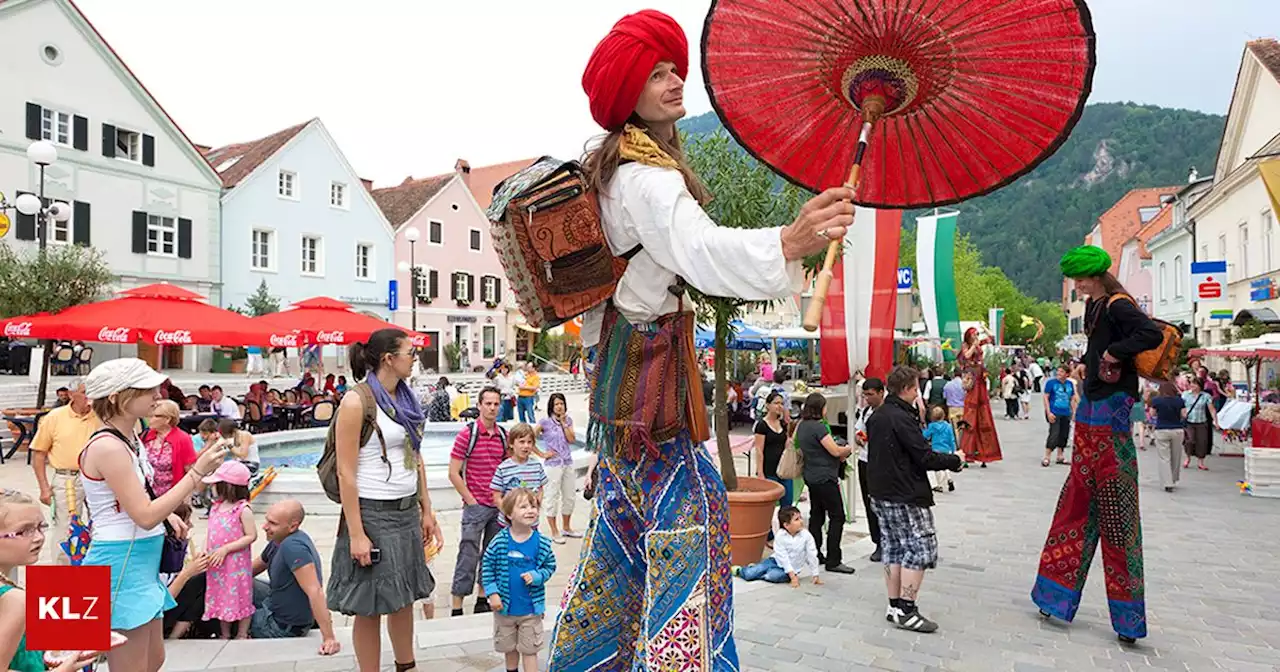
636 145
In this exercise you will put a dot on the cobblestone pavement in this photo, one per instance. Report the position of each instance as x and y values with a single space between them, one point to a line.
1212 560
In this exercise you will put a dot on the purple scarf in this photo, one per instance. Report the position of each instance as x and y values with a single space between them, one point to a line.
403 408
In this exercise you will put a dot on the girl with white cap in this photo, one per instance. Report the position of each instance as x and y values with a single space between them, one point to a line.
128 524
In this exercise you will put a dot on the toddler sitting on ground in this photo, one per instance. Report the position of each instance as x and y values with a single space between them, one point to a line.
794 553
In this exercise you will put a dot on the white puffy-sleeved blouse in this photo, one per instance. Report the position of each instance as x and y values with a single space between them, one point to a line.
649 206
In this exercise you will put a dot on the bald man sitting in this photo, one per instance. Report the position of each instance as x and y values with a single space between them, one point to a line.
296 602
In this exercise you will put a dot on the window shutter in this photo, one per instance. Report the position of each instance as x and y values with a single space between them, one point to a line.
184 239
25 225
139 232
471 287
33 121
80 133
109 151
433 284
453 287
148 150
80 223
497 291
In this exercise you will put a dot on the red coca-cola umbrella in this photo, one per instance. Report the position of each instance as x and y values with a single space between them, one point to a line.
326 321
160 314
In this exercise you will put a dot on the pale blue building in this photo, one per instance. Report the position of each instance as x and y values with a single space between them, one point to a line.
295 214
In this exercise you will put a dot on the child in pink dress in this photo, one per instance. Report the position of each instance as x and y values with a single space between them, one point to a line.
229 583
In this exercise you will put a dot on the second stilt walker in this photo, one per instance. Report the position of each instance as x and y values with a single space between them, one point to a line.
1099 501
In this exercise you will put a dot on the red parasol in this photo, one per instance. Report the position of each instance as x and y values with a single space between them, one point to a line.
328 321
160 314
964 96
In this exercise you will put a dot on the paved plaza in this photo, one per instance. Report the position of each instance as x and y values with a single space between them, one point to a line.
1212 562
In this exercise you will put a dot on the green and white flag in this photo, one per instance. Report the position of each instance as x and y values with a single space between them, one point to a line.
936 275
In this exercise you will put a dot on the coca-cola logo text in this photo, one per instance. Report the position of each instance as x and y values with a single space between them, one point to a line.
179 337
331 336
17 329
117 335
289 341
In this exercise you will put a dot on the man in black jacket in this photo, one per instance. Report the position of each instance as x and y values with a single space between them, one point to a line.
898 463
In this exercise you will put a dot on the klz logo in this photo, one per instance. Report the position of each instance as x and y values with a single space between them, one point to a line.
68 608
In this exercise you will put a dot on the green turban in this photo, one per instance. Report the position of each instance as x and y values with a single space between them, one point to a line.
1085 261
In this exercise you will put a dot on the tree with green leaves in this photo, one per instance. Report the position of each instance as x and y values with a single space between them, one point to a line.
262 302
50 280
747 195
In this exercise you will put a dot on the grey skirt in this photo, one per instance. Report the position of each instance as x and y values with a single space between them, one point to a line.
401 576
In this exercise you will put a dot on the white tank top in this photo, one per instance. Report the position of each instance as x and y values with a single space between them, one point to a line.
110 522
371 471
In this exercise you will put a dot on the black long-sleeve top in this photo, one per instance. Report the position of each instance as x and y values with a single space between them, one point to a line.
899 458
1122 329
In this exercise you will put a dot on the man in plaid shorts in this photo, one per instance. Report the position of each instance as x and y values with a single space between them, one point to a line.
898 464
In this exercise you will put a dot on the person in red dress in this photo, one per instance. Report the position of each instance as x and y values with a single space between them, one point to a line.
979 441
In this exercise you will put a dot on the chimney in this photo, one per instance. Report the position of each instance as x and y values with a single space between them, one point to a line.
407 180
1193 175
463 168
368 184
203 149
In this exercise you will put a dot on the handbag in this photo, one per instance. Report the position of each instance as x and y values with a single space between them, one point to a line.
791 464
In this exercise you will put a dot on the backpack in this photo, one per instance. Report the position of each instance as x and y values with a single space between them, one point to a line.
472 437
1158 362
327 467
545 224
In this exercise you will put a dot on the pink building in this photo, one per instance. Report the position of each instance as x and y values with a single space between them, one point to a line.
451 284
1135 271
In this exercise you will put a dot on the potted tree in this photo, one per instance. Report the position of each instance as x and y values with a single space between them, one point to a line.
748 195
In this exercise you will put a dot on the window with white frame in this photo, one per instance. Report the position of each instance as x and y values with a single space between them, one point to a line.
338 195
475 240
422 282
162 236
1178 270
489 341
1268 241
1164 282
435 232
1244 250
262 253
489 289
312 255
364 261
287 184
128 145
460 286
55 126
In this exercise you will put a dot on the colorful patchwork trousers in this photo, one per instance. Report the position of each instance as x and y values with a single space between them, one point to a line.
1098 502
653 589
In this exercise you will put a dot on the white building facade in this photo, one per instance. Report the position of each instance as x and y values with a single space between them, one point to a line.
141 193
1234 220
1172 253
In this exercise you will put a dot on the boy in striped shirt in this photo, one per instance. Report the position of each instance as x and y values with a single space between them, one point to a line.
519 470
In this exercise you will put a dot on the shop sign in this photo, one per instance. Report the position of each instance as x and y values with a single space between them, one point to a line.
393 295
461 318
1262 289
1208 277
904 279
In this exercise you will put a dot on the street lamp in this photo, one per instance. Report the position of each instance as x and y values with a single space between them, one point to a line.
43 154
412 234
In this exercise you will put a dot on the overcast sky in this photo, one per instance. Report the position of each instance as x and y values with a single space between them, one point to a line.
408 86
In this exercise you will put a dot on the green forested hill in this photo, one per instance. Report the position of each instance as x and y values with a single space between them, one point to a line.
1026 226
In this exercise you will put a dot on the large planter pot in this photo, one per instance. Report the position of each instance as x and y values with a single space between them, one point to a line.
751 509
239 365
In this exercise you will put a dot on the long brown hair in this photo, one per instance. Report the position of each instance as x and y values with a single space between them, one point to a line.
602 160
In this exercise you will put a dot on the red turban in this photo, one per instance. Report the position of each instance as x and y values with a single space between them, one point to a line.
622 62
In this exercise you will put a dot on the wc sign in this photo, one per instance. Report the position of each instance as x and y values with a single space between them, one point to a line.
904 280
1209 279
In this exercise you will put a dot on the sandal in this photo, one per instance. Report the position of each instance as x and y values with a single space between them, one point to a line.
1060 461
1044 462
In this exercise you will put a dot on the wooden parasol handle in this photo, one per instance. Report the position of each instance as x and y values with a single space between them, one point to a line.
872 108
813 316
